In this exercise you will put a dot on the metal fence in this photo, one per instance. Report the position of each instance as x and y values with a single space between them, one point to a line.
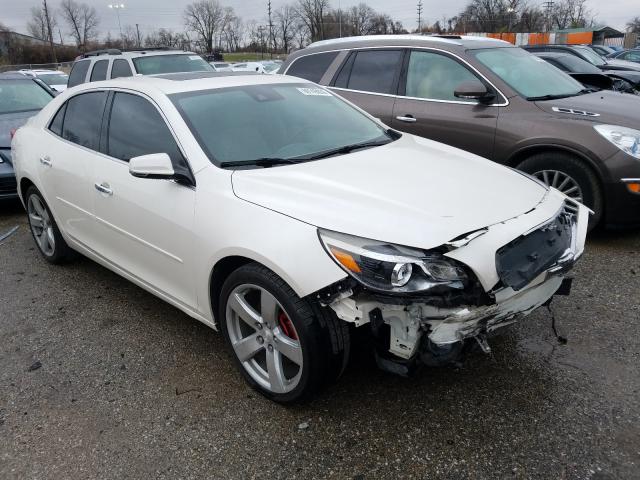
65 66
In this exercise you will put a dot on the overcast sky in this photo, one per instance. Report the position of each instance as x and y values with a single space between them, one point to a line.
153 14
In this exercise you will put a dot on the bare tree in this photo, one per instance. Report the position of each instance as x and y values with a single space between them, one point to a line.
286 21
312 13
165 38
633 25
361 19
82 21
233 32
37 24
205 18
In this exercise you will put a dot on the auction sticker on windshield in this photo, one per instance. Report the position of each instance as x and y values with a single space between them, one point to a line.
314 91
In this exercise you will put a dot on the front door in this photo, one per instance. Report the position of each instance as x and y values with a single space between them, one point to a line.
428 107
144 225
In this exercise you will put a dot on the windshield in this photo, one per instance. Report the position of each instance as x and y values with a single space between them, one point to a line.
157 64
273 121
22 96
221 65
527 74
591 56
270 67
578 65
54 78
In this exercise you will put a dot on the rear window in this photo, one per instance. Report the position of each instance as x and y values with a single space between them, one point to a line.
312 67
78 73
22 96
158 64
54 78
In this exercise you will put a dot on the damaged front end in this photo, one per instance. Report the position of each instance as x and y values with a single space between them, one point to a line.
429 306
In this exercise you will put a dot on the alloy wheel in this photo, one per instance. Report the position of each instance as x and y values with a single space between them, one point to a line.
264 339
563 182
41 225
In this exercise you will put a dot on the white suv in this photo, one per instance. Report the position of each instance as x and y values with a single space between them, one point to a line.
112 63
291 220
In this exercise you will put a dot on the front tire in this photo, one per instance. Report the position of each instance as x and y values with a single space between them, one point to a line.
44 229
571 176
287 348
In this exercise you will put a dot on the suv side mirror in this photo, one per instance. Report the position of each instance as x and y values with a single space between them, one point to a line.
155 165
473 90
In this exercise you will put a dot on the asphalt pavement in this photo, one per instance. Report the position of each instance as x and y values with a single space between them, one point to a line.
99 379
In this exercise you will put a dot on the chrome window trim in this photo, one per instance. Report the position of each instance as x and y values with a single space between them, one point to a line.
413 47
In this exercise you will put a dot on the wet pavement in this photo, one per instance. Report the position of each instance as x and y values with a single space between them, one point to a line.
99 379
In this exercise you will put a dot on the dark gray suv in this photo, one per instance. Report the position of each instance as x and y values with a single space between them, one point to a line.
498 101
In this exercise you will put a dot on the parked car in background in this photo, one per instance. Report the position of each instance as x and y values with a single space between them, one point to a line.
21 97
632 55
625 81
56 79
496 100
602 50
586 54
221 66
265 67
433 248
113 63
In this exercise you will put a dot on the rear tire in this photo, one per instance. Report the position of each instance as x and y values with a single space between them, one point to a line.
559 169
44 229
289 355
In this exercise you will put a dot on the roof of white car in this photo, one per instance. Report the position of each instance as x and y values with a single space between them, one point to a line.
178 83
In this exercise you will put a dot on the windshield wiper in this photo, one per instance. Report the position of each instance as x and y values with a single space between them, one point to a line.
564 95
259 162
346 149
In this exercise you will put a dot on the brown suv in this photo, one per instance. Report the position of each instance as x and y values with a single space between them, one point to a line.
496 100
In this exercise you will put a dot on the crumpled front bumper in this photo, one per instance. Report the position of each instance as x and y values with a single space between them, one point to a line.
446 325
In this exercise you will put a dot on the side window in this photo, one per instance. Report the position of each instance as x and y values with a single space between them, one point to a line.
78 73
312 67
99 71
434 76
632 56
56 124
137 128
342 79
375 71
83 119
120 68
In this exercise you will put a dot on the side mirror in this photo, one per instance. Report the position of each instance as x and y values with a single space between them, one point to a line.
473 90
155 165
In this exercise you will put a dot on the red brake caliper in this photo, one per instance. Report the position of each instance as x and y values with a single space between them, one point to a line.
287 326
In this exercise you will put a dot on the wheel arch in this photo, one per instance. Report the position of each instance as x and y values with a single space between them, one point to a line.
24 185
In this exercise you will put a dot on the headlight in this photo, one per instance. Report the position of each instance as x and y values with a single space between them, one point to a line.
392 268
626 139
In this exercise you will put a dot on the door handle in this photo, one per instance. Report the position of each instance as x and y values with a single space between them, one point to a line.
407 119
103 188
46 161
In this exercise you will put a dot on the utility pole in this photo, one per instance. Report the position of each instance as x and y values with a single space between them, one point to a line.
261 30
340 17
271 38
548 7
46 15
419 16
138 34
61 40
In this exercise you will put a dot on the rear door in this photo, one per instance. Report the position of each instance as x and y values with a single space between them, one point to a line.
426 104
66 161
369 78
144 226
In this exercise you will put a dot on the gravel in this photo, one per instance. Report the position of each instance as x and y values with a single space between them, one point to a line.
99 379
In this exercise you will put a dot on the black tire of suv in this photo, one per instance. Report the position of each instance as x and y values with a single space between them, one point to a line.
575 168
324 339
62 253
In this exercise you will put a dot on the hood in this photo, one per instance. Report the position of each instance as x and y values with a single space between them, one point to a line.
615 64
633 77
613 108
9 121
413 192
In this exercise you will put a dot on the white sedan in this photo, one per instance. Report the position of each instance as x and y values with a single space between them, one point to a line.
291 220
